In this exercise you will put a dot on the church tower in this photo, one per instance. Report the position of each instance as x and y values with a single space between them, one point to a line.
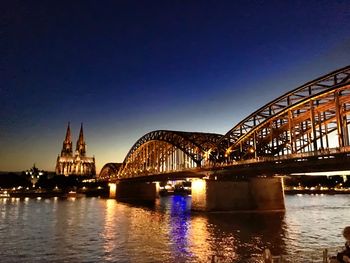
77 164
67 149
81 146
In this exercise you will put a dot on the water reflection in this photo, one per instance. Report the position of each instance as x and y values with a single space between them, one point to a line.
199 237
241 236
315 221
109 233
179 222
99 230
232 237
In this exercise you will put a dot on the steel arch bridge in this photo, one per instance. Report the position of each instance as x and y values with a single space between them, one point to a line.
299 121
311 119
165 151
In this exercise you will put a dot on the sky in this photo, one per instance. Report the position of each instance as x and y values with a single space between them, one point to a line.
125 68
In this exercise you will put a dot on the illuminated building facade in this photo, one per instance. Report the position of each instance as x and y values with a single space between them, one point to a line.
76 163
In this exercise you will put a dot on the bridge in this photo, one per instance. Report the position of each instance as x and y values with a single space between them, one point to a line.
304 130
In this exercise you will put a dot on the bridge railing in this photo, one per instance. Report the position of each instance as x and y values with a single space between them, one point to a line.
139 173
322 153
319 153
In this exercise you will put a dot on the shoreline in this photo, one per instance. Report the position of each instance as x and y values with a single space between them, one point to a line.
310 192
54 193
49 194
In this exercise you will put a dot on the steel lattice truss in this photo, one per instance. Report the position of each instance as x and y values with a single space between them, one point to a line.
307 119
300 120
109 170
167 151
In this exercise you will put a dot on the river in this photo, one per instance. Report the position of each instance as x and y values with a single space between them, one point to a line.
103 230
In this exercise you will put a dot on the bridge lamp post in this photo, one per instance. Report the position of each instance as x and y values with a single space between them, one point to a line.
227 154
252 150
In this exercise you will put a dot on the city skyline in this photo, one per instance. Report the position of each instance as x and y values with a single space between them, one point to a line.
128 69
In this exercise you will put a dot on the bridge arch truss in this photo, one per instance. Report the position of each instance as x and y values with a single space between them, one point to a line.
312 118
167 151
303 120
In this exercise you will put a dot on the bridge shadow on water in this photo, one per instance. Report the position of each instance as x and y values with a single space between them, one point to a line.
231 237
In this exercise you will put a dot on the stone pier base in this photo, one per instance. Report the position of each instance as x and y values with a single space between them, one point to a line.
112 190
136 192
256 194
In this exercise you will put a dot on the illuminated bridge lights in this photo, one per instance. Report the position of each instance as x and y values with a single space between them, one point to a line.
309 121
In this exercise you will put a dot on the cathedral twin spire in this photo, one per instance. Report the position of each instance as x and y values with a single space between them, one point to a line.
75 162
81 146
67 149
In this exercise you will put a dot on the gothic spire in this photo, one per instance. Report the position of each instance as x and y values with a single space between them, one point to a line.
81 135
68 136
67 148
81 143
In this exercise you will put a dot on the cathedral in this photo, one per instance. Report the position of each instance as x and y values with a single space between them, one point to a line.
75 163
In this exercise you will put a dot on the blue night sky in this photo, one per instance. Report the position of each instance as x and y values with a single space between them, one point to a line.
125 68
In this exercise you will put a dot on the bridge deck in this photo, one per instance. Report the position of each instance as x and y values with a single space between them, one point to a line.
323 160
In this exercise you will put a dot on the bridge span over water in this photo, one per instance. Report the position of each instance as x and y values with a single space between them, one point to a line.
304 130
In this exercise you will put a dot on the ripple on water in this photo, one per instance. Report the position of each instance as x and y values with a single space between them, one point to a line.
99 230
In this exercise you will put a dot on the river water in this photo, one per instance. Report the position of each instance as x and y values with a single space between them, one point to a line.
103 230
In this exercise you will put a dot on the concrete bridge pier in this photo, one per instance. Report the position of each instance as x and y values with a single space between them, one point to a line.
135 192
255 194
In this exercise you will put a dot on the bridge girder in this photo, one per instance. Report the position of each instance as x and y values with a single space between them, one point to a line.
280 121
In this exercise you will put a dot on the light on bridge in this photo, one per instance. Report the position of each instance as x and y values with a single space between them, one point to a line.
207 154
198 185
228 151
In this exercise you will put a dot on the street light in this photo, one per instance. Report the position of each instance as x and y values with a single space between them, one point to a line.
228 151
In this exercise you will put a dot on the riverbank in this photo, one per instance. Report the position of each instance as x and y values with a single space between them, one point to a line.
34 193
317 191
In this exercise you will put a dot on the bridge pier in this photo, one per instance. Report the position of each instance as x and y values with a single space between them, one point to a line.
258 194
112 190
135 192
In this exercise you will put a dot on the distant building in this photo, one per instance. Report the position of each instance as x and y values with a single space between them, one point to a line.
34 174
77 163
